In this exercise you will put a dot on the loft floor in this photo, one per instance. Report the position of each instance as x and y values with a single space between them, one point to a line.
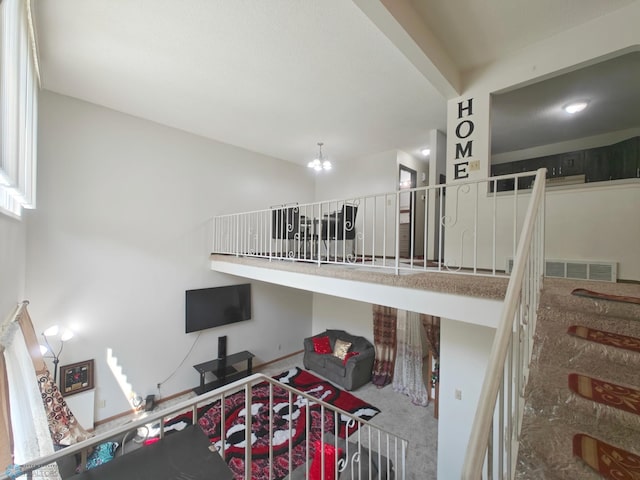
449 295
482 286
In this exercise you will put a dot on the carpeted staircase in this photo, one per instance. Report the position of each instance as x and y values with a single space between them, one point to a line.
554 414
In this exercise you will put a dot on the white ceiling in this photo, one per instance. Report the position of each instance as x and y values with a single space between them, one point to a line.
279 76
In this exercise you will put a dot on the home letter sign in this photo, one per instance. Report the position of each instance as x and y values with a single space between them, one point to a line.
464 130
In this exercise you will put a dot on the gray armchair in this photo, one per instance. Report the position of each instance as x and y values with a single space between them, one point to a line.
357 370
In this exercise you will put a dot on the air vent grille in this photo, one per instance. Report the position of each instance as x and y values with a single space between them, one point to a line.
555 269
578 269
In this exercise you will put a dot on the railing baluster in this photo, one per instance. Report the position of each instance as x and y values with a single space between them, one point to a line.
494 222
511 402
475 231
441 228
397 227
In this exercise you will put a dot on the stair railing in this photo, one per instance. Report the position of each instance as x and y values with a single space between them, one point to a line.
492 450
385 452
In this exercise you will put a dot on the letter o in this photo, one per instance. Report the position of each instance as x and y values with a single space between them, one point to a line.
459 128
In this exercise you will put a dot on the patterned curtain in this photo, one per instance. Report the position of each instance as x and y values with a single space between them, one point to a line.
431 326
432 329
63 426
384 339
408 377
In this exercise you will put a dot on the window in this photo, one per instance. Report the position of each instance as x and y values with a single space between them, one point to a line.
19 84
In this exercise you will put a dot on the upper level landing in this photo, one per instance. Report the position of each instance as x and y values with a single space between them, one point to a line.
473 299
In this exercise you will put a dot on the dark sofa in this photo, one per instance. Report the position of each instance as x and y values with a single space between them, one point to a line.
357 370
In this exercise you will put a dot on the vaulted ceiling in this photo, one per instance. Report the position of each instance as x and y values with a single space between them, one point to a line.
278 76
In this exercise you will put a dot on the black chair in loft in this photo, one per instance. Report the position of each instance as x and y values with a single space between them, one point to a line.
284 224
340 225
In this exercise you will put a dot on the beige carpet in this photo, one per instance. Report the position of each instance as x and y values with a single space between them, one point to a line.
553 413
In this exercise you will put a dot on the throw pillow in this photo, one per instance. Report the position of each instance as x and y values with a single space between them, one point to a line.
321 344
348 356
341 348
102 453
331 454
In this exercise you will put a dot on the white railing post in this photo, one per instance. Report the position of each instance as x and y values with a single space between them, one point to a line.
397 228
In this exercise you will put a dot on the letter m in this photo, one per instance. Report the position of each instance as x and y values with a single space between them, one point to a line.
465 151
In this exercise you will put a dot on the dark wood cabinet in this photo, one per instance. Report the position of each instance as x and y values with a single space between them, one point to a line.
624 159
571 163
597 166
600 164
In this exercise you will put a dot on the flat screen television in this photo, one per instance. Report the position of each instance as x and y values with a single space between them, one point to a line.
213 307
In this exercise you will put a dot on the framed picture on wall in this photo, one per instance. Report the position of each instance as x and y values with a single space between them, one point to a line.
76 377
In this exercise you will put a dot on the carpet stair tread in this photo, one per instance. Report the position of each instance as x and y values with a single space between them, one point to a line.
558 295
618 397
548 395
551 442
546 452
557 348
609 460
605 337
599 295
562 317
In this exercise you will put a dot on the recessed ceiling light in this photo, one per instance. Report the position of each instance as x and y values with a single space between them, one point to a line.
575 107
425 152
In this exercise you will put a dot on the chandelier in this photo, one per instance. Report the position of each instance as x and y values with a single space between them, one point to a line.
319 163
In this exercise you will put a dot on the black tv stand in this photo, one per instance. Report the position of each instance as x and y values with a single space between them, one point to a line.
223 371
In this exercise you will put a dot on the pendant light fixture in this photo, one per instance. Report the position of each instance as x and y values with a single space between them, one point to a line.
319 163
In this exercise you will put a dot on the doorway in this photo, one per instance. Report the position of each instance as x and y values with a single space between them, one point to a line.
408 179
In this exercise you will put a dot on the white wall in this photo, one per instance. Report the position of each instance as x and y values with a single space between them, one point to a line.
368 175
122 230
596 222
464 351
344 314
12 264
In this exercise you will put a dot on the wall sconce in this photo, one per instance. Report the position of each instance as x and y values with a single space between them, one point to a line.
59 335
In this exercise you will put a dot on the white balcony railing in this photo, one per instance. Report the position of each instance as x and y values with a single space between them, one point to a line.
462 228
367 448
492 451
